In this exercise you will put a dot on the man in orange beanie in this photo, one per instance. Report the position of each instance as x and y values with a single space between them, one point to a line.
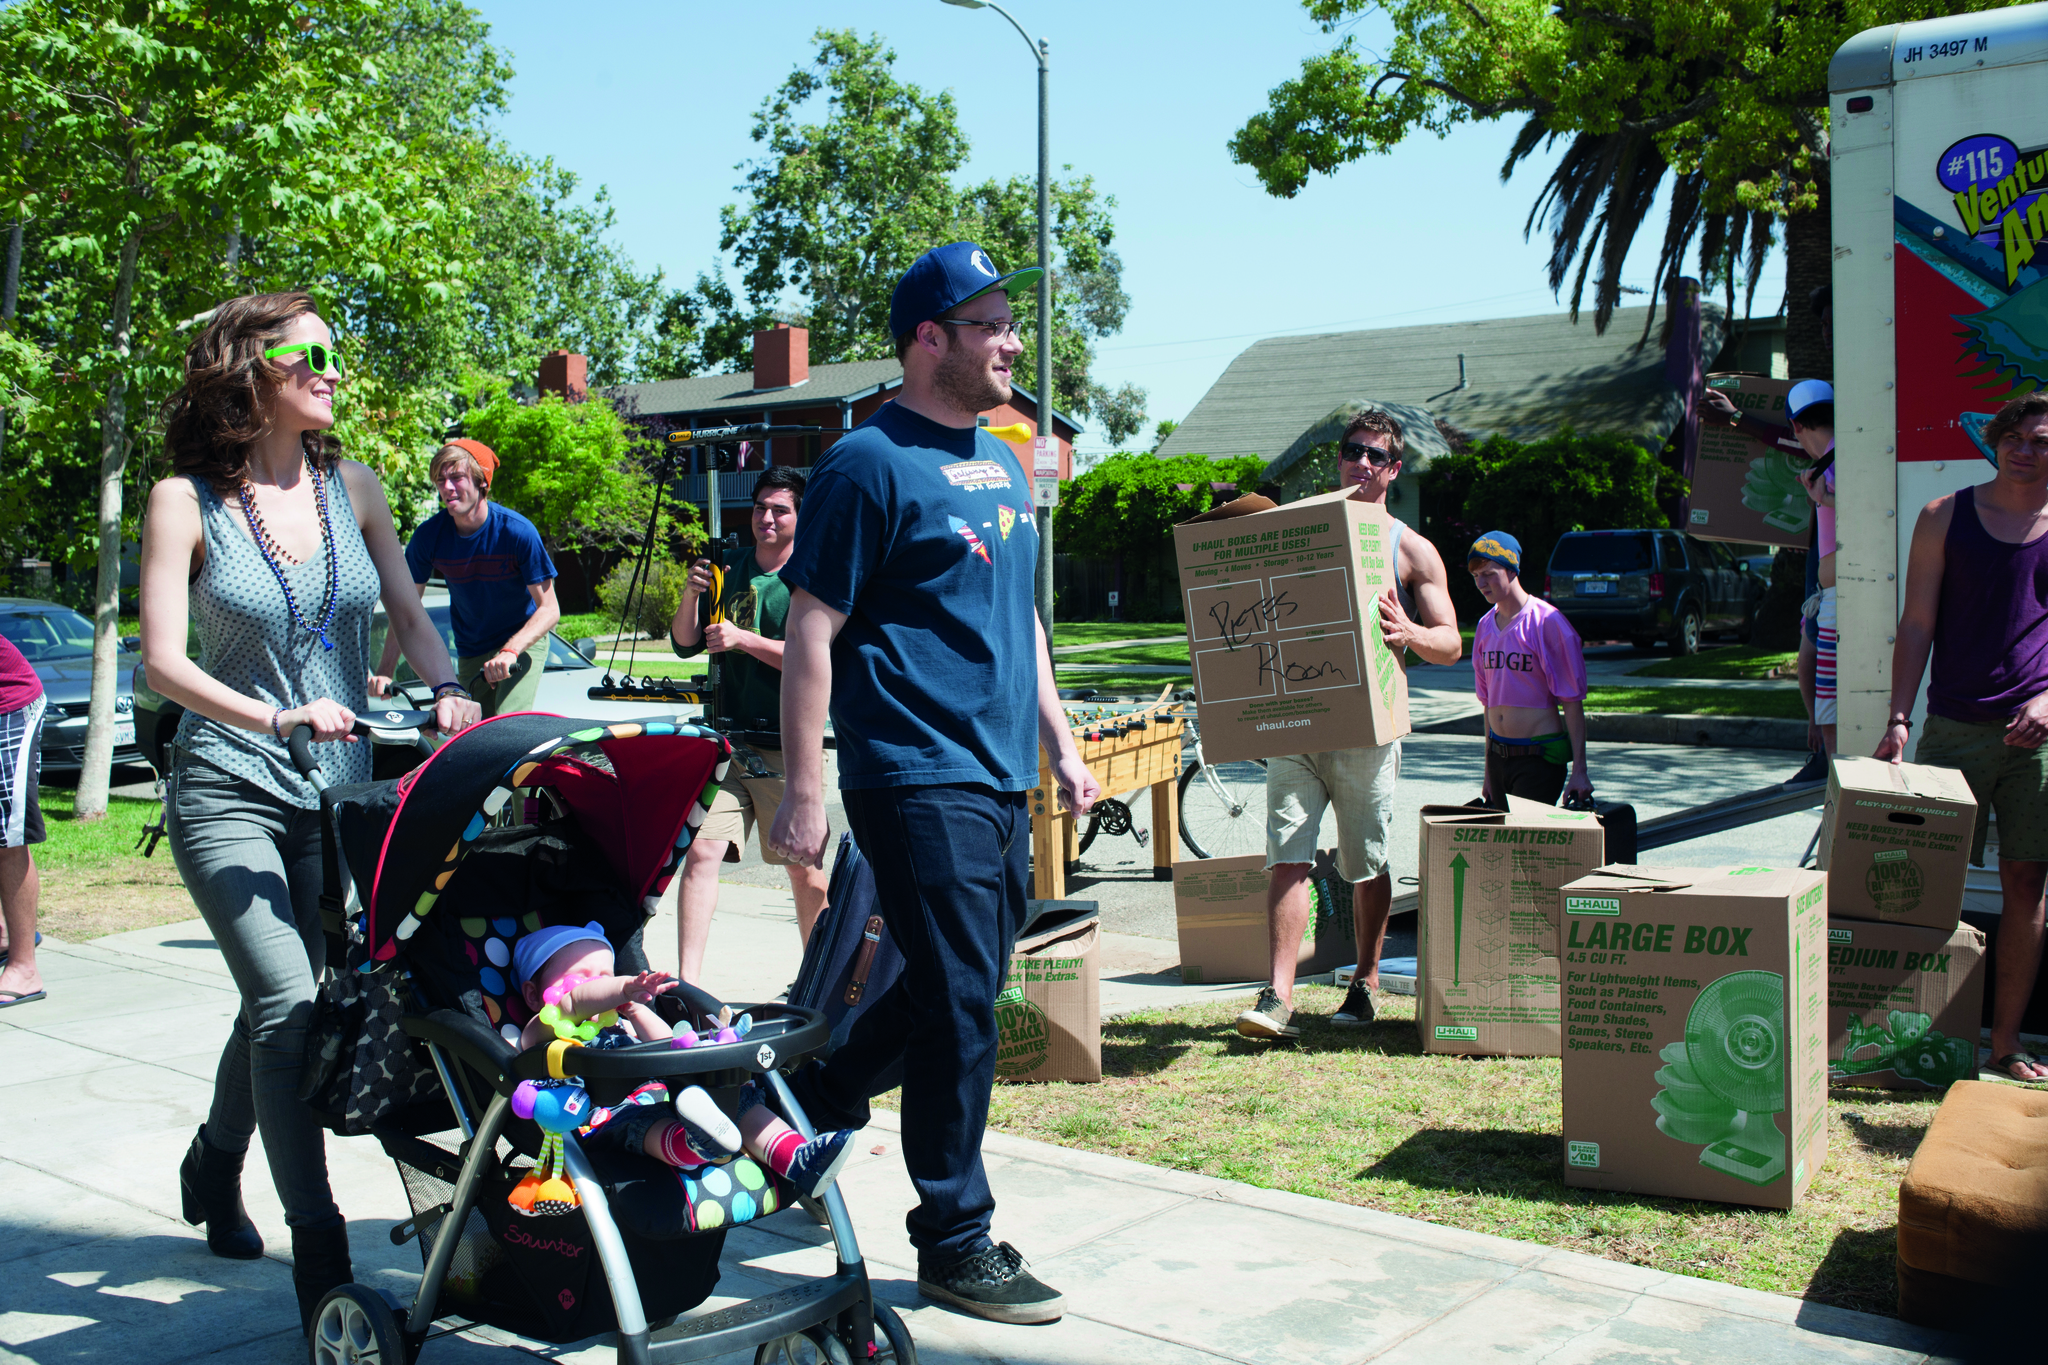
501 582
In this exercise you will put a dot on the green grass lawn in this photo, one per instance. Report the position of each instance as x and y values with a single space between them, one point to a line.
1145 685
1103 632
1176 653
1361 1117
95 882
1782 704
1732 661
574 628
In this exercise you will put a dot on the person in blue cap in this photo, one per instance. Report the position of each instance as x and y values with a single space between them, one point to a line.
1811 406
911 620
1528 666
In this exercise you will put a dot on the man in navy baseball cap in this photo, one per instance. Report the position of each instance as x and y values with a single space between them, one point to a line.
944 278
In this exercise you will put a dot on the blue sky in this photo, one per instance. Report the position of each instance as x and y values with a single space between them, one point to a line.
657 100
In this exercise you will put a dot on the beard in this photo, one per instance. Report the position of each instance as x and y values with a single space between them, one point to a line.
966 383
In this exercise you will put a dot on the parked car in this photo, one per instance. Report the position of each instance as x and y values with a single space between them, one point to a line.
564 688
1648 585
58 642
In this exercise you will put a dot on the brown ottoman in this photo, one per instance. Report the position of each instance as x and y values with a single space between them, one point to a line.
1973 1208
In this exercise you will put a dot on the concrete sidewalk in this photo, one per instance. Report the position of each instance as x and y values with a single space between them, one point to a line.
108 1078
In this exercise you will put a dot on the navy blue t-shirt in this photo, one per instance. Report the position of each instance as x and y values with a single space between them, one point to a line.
923 535
487 574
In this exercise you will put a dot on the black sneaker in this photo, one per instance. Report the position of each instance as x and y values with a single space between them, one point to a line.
993 1283
1267 1018
1357 1010
1816 769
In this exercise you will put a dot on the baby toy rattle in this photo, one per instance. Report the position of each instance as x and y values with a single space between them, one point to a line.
578 1031
729 1030
558 1107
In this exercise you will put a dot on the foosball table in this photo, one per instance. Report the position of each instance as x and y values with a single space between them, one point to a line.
1126 747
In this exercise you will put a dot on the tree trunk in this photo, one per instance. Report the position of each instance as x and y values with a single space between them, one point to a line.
10 286
96 773
1809 264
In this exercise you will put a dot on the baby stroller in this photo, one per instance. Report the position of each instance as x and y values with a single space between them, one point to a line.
430 882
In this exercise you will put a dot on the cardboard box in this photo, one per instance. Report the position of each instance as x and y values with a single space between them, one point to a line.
1219 905
1282 633
1904 1004
1049 1015
1486 924
1695 1050
1743 489
1895 841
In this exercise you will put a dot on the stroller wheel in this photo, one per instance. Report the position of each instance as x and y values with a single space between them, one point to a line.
896 1346
812 1346
358 1325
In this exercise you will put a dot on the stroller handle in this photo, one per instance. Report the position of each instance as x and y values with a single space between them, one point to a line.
782 1034
385 727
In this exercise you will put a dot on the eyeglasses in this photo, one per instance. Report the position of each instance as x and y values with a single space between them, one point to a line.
1351 452
321 358
996 330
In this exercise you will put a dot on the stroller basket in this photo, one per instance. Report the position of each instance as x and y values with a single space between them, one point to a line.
434 890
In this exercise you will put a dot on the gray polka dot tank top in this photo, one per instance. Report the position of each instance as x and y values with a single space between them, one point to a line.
249 641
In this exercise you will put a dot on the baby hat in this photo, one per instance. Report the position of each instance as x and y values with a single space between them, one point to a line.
536 948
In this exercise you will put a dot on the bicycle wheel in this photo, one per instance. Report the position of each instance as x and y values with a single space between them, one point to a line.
1223 809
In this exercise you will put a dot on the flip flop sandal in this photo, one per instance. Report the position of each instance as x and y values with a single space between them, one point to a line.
2002 1068
12 998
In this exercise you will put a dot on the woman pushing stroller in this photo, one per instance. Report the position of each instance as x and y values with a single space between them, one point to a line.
278 550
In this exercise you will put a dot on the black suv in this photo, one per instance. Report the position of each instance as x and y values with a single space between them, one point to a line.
1644 586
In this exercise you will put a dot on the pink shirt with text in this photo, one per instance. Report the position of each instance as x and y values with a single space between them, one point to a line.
1532 661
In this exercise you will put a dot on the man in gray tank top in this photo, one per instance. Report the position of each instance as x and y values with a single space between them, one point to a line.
1416 614
1977 599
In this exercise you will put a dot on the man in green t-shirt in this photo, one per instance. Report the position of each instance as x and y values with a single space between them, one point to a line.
748 633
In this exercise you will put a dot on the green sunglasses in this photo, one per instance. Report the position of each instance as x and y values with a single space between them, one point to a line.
321 358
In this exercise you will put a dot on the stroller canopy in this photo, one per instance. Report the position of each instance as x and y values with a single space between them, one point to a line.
638 789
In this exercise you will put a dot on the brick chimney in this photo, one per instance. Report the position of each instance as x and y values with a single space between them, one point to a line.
782 357
566 373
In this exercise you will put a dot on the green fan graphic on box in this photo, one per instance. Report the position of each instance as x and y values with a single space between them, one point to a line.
1772 487
1909 1047
1726 1081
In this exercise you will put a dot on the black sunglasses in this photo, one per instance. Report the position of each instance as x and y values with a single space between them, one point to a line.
1354 451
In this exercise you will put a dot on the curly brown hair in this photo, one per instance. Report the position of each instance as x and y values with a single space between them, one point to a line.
217 415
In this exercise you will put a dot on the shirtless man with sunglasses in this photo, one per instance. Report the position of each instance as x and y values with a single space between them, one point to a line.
1415 615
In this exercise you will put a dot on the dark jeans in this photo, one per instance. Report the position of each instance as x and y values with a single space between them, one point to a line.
950 865
1531 777
252 863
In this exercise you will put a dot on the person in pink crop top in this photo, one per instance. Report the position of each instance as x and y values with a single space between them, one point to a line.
1528 664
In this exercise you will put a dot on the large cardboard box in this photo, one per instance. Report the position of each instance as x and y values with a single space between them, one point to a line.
1220 907
1895 842
1282 631
1695 1050
1904 1004
1049 1015
1486 927
1743 489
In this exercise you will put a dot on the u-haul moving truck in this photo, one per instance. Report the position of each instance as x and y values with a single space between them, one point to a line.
1940 188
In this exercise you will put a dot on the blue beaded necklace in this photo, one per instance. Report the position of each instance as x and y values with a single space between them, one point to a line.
273 552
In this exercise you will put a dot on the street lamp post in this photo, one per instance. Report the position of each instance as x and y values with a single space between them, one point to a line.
1041 50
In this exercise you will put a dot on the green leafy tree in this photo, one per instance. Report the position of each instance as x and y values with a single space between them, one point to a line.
159 133
580 473
837 210
1723 103
1125 508
1536 492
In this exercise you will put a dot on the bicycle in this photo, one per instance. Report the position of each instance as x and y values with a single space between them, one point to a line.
1222 806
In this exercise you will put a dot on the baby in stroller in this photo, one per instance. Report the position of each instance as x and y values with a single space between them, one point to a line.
572 970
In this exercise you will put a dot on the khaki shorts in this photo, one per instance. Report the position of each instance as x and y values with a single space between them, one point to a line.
744 802
2011 781
1358 782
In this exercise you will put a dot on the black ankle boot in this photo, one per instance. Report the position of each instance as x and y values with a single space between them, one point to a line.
211 1182
319 1263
